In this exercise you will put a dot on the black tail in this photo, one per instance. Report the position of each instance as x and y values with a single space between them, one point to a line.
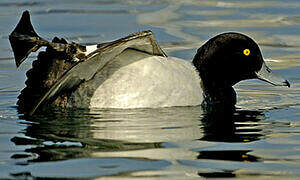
24 39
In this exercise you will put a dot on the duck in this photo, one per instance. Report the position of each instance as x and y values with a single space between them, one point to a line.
134 72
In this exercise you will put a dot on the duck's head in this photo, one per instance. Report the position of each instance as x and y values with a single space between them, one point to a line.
229 58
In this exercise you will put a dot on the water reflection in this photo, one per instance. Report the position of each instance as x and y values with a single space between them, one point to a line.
225 174
240 126
137 135
65 135
228 155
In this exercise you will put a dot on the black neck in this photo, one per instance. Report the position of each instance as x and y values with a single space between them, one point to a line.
217 96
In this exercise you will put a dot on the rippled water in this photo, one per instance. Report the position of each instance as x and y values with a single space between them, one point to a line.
261 140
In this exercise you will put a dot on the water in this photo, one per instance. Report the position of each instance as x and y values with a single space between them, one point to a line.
261 140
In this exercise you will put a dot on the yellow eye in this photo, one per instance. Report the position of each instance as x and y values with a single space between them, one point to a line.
246 52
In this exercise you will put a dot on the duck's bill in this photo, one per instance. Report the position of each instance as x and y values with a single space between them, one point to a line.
266 74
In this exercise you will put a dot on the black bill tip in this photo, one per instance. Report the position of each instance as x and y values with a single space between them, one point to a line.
287 83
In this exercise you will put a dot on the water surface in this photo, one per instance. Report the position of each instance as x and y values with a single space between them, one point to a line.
261 140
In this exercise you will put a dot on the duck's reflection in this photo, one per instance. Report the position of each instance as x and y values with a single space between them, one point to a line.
239 126
63 135
156 134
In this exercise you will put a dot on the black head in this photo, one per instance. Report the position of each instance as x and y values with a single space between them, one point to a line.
229 58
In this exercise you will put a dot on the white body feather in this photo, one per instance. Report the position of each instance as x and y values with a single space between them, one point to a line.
138 80
90 49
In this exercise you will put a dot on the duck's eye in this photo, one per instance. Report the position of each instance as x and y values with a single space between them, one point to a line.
246 52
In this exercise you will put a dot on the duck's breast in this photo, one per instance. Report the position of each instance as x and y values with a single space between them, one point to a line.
137 80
